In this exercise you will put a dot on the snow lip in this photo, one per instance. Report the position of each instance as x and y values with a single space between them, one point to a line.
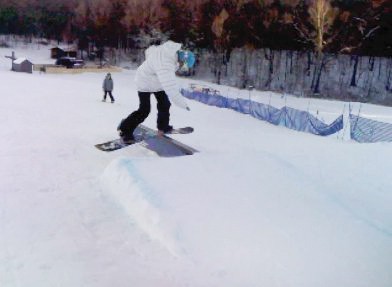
123 183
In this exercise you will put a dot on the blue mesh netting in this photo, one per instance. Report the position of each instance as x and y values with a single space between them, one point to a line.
288 117
369 131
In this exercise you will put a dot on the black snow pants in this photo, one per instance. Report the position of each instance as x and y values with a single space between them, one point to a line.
110 95
128 125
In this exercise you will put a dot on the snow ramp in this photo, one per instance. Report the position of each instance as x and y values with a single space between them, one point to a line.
130 192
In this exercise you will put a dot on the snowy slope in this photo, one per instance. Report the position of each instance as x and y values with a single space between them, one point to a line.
260 205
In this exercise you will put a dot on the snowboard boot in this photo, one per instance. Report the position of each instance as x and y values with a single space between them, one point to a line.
165 131
127 138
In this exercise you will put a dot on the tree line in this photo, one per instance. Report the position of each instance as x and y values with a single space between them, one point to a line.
357 27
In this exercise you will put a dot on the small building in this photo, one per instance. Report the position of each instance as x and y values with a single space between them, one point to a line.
57 53
22 65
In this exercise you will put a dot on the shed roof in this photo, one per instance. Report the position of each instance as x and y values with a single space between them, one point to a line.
71 48
21 60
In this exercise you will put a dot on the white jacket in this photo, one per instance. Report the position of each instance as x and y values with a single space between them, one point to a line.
157 72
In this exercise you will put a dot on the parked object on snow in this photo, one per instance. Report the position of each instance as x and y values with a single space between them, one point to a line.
70 62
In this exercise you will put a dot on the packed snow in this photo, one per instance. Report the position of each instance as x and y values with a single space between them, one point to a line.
258 205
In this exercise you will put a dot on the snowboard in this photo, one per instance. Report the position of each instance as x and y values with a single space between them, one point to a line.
185 130
152 140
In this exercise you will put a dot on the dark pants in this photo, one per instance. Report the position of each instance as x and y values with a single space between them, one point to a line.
110 95
129 124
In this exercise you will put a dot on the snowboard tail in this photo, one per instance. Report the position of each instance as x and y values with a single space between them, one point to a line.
118 143
114 145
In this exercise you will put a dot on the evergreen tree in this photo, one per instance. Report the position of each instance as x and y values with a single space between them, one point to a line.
8 20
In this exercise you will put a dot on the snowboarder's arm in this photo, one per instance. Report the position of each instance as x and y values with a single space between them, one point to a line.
168 81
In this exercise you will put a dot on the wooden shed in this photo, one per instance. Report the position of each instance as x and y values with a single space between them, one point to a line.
57 53
22 65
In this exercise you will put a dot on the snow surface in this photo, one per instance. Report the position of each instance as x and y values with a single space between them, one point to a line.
259 205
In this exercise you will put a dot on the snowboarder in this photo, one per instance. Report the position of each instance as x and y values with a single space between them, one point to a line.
107 87
157 75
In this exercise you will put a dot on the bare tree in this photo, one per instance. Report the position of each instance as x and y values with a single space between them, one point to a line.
220 42
317 30
313 23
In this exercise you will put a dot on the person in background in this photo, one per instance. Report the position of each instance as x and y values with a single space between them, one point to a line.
157 75
107 87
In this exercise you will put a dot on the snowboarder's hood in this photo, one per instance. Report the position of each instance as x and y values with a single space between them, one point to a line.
170 49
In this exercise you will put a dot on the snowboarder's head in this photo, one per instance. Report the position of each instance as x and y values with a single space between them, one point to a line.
108 75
